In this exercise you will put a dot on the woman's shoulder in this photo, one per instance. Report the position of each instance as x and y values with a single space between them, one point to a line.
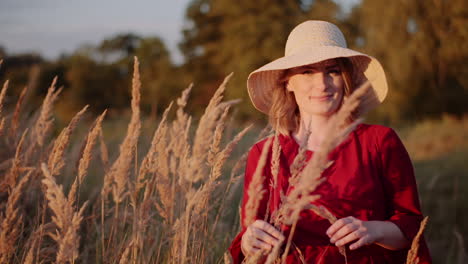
378 136
378 132
285 141
258 146
374 128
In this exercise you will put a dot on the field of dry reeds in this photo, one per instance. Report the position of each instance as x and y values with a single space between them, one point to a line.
69 199
168 193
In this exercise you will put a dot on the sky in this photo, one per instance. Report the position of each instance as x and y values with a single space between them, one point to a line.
54 27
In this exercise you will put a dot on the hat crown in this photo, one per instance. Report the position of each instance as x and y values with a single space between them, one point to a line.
314 33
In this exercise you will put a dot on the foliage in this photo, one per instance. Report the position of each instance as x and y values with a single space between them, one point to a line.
426 61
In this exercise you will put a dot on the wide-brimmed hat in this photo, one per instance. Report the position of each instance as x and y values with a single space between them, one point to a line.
311 42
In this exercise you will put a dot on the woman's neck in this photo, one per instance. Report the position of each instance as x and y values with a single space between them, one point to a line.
311 130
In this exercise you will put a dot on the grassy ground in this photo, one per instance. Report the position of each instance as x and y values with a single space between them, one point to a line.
439 149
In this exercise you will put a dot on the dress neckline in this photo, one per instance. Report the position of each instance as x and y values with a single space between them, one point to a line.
290 141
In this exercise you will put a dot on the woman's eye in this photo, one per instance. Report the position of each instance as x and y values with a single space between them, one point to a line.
306 72
334 71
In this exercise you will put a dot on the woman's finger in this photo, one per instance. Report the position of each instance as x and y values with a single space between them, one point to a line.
264 236
261 245
254 250
338 225
344 231
357 234
248 243
363 241
271 230
250 249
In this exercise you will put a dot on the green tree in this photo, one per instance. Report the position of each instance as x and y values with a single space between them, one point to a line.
422 46
21 70
202 35
254 33
323 10
120 47
102 86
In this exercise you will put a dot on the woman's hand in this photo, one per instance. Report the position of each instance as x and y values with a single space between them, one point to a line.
349 229
260 236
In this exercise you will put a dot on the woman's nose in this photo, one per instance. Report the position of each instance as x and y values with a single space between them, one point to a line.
320 82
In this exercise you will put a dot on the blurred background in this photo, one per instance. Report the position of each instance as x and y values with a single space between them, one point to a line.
422 44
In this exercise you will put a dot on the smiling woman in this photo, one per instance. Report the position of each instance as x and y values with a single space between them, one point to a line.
370 187
318 88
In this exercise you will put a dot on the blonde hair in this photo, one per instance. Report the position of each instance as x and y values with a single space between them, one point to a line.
284 115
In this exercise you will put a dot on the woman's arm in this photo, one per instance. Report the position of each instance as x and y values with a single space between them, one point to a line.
383 233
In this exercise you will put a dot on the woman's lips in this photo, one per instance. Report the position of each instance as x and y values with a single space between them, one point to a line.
321 97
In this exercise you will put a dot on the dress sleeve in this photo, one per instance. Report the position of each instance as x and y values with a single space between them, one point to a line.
252 161
400 187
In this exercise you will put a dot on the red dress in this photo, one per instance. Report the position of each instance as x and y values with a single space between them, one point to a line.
371 178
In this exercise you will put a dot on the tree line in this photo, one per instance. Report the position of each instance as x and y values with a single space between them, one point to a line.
423 46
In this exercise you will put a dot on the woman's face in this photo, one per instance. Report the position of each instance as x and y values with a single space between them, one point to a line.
318 88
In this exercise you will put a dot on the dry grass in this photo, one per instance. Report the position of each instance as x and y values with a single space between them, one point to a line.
17 112
2 98
325 213
44 123
256 188
56 157
413 252
65 218
11 222
165 207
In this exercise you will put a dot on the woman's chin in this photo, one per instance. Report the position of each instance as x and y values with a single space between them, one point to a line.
322 111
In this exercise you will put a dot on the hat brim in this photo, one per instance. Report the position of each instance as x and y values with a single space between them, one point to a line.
262 81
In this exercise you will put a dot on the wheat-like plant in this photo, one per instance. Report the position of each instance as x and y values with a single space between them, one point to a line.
56 157
11 222
256 189
65 218
10 177
44 122
117 178
412 257
17 112
2 98
86 157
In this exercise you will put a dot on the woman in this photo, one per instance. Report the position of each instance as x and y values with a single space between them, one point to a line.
370 187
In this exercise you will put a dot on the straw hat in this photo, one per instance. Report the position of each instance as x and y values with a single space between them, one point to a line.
311 42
